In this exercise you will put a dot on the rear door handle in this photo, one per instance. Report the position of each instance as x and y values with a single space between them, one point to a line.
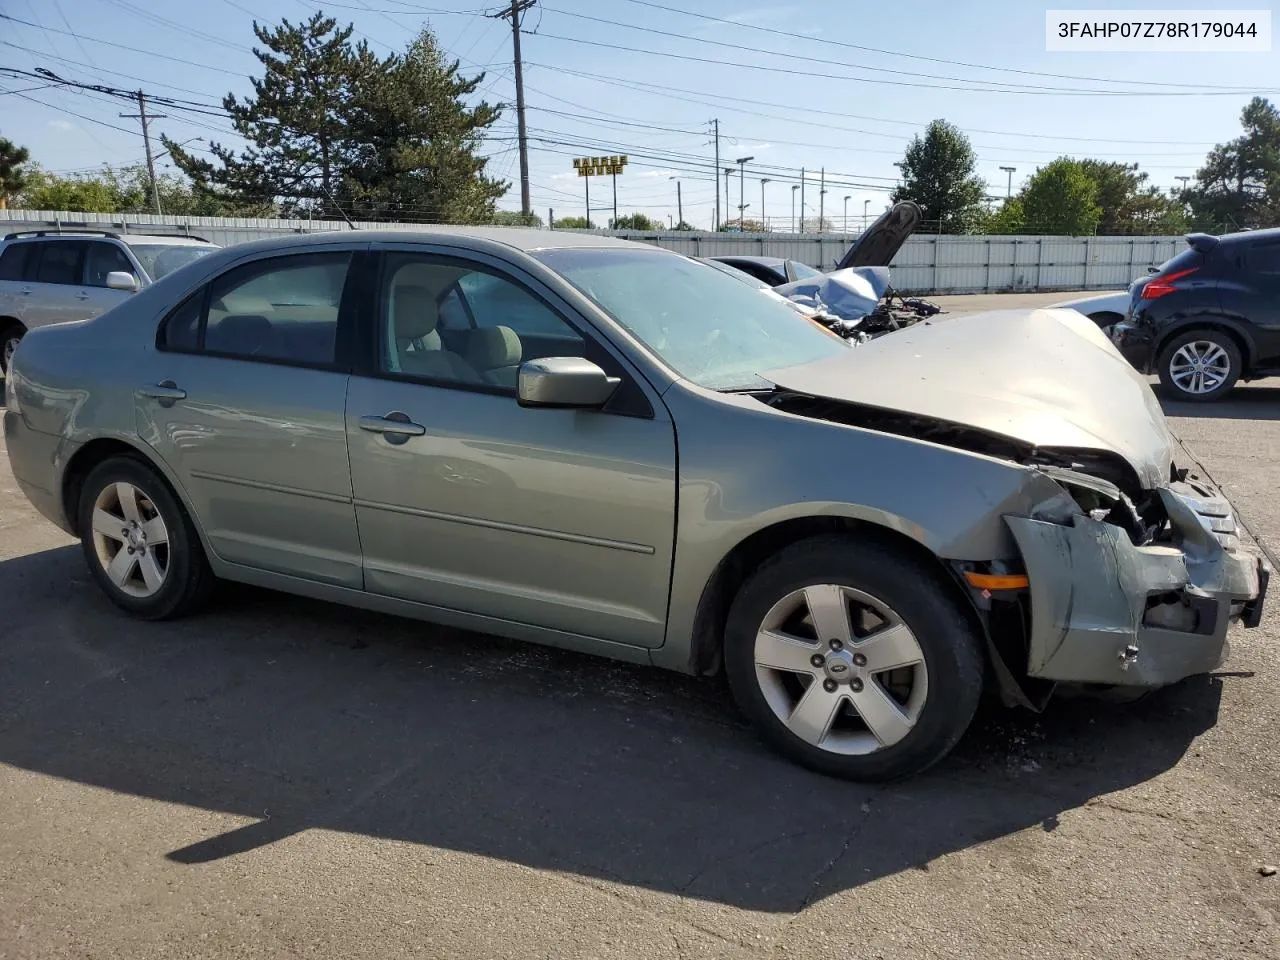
166 391
396 426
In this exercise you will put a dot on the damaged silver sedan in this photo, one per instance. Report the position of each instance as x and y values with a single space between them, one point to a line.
608 447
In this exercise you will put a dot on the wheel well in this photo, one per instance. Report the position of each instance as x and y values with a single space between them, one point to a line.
82 463
742 560
8 323
1245 348
1106 316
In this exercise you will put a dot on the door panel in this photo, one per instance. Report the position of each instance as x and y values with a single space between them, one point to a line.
557 518
260 447
1259 299
57 292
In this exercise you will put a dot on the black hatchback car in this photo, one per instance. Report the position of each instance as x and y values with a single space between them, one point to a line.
1209 316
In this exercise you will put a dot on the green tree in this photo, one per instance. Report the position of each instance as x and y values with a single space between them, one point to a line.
939 174
574 223
1008 219
634 221
414 141
514 218
1129 204
81 193
13 174
296 121
683 227
1061 199
1239 185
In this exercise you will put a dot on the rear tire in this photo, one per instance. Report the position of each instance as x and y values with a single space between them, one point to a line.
912 670
1200 366
9 338
139 543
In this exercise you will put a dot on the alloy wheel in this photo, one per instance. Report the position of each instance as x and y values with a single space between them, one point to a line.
130 539
840 669
10 348
1199 367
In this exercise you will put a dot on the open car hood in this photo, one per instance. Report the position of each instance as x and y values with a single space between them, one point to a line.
1043 378
847 294
880 242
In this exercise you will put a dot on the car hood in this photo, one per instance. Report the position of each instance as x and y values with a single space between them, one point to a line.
847 294
1045 378
880 242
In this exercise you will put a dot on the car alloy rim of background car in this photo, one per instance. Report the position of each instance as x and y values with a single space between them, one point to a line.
10 348
131 539
1200 366
840 669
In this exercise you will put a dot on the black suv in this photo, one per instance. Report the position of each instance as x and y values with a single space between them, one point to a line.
1208 317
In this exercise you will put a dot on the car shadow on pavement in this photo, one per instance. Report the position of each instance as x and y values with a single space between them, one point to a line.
1248 402
295 714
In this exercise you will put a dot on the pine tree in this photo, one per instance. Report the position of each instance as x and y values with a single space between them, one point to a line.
12 174
1239 184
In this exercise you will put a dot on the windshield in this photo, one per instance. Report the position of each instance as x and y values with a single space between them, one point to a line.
707 326
803 271
160 259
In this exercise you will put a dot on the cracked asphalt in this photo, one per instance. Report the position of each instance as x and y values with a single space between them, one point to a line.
285 778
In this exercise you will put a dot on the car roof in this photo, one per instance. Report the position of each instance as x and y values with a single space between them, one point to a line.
1252 236
527 239
139 238
170 239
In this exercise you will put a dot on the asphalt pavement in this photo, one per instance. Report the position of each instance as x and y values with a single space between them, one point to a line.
285 778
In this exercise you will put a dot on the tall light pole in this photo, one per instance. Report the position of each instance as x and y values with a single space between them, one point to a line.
794 188
763 222
846 214
679 201
1185 181
865 205
1008 190
802 199
742 175
728 171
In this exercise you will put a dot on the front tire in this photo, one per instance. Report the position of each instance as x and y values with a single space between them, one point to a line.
139 543
9 338
853 659
1200 366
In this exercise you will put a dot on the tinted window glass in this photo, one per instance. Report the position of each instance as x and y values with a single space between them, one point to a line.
14 261
105 258
162 259
61 261
285 309
803 271
1183 261
449 321
1264 258
182 328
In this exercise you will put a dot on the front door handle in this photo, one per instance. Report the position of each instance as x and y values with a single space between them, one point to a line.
166 391
395 425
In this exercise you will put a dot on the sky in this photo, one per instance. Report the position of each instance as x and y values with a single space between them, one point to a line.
834 87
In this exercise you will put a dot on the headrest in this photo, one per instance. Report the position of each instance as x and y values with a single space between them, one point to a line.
414 312
239 333
491 347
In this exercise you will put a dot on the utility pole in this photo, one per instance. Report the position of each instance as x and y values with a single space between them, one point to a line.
146 141
518 7
1008 191
742 179
802 199
586 187
716 224
794 188
865 205
615 199
680 201
763 222
822 199
846 214
728 172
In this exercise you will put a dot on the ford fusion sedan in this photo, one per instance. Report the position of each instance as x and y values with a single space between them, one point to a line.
609 447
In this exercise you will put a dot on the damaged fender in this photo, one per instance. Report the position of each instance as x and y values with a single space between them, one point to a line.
1106 611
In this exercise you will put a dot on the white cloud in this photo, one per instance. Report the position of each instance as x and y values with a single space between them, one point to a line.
654 174
61 125
567 175
757 146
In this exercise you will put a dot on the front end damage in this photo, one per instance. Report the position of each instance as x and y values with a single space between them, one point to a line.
1127 596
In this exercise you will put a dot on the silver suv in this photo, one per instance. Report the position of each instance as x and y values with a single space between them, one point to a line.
51 276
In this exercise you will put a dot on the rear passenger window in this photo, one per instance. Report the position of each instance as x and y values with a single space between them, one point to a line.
284 309
1264 258
14 260
61 261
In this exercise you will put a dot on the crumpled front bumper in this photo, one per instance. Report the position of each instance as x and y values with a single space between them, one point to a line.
1106 611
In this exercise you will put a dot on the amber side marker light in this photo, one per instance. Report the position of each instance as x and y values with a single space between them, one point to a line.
997 581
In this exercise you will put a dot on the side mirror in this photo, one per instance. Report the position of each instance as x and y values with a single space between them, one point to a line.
122 280
564 382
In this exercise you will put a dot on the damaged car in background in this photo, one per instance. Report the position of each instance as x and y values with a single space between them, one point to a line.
856 299
574 440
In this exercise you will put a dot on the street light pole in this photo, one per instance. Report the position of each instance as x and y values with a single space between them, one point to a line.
1008 191
794 188
742 199
679 202
764 224
865 205
846 214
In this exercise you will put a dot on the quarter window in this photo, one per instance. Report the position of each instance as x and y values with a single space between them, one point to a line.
61 261
284 309
456 322
16 262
